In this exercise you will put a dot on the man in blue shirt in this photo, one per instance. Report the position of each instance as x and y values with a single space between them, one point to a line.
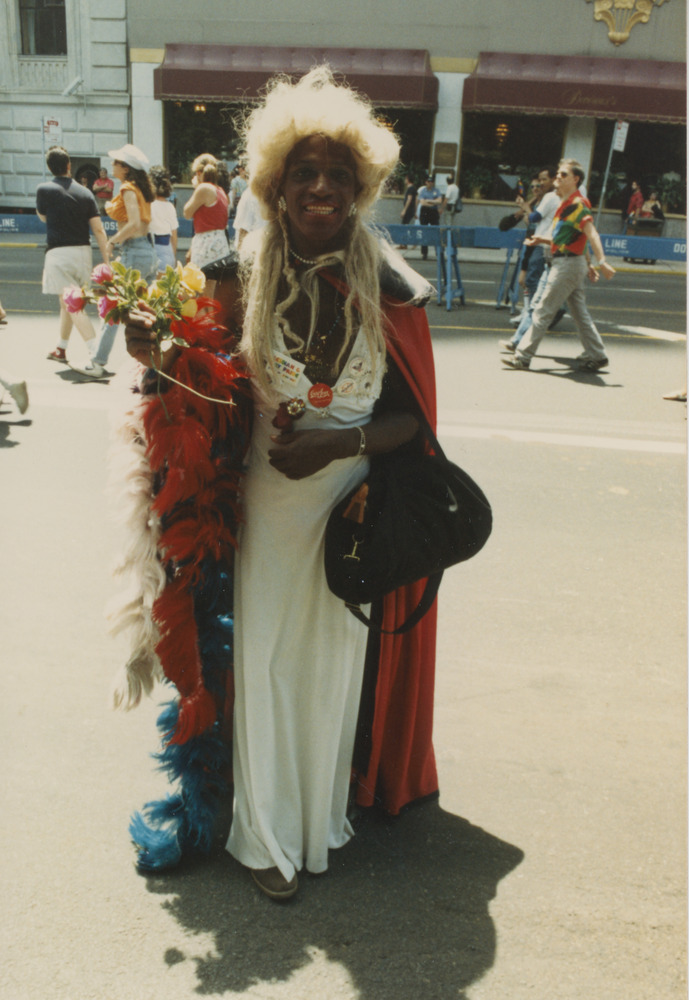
430 200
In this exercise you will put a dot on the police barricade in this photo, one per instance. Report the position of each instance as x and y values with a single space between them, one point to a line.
444 240
630 247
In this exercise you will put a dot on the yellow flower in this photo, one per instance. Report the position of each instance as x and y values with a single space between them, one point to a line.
193 278
189 309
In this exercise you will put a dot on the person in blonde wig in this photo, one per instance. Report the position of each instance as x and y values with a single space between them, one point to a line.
315 106
329 320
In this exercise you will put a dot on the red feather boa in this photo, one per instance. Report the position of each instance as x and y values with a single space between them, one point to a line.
200 481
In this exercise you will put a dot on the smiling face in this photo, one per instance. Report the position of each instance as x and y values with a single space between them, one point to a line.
319 187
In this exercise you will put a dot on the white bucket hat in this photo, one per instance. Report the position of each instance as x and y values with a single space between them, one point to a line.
131 155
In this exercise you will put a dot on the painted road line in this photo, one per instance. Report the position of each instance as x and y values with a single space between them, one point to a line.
596 308
562 440
606 334
647 331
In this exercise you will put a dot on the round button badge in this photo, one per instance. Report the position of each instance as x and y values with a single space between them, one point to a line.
320 395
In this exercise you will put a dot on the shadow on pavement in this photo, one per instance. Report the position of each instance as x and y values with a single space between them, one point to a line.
571 372
69 375
403 910
7 425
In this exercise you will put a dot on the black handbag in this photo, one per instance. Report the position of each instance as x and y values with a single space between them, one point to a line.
409 520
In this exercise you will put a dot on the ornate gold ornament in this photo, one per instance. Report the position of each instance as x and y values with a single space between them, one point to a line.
621 15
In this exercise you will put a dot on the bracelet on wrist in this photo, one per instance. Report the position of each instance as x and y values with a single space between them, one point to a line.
362 442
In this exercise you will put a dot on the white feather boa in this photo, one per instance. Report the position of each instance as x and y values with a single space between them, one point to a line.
130 491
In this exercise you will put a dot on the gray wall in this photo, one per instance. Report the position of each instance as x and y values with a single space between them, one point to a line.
447 28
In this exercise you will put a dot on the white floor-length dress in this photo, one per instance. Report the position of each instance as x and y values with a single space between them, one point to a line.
299 653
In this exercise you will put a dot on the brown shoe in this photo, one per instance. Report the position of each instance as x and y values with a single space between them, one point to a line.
57 355
273 883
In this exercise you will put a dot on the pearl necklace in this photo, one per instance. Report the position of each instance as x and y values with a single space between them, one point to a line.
303 260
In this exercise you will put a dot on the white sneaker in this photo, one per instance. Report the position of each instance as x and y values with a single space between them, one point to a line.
91 369
20 395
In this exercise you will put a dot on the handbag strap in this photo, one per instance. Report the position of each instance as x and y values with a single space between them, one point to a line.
427 598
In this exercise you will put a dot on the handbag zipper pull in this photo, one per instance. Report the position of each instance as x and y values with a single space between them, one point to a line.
356 508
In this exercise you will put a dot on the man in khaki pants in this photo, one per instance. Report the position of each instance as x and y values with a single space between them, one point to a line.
573 228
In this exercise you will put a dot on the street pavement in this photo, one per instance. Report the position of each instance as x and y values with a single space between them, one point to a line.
553 866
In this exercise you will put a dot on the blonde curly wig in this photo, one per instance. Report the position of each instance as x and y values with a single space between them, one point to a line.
290 112
316 105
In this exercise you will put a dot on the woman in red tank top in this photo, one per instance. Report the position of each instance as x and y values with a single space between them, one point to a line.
209 208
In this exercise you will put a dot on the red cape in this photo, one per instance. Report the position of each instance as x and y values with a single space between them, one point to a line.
401 766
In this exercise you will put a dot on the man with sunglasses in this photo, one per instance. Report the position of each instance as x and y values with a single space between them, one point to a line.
573 228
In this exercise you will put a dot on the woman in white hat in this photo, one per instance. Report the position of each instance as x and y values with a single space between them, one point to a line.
132 243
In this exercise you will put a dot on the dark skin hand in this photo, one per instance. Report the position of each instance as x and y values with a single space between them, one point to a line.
298 454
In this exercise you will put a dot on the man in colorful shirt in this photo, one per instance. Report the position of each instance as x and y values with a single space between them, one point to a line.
572 228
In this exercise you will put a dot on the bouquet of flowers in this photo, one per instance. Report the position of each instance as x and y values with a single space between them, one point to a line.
172 298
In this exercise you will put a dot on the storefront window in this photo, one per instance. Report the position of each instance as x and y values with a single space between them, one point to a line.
654 156
414 129
499 151
43 27
195 127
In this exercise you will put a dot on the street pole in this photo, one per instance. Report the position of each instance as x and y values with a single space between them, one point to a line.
619 138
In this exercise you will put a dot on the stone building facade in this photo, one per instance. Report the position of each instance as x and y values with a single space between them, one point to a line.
64 78
467 83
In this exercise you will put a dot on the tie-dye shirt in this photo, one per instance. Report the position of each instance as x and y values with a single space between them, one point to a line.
568 226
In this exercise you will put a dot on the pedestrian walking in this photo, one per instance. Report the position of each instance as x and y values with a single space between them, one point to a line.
70 213
16 389
208 207
103 189
451 203
320 344
408 213
238 185
573 228
131 210
248 217
542 217
164 222
429 200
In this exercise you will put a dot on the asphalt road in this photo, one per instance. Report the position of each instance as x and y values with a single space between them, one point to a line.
554 866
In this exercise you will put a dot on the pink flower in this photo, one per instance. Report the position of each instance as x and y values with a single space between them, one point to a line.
105 305
74 299
102 273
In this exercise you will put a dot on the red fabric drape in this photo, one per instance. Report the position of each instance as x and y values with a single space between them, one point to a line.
402 763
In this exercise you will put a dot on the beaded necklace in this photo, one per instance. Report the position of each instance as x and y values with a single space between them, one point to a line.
319 367
303 260
320 353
